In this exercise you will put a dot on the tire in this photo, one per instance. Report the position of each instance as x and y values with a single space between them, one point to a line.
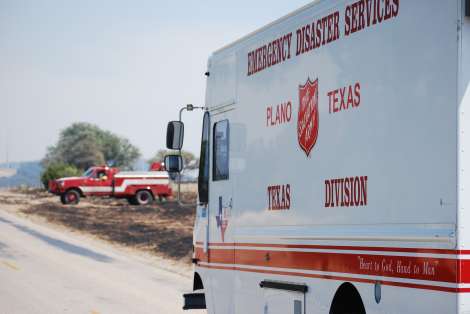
70 197
132 200
347 300
143 197
62 199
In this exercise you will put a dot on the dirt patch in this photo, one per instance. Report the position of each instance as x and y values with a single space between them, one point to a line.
8 200
27 193
164 229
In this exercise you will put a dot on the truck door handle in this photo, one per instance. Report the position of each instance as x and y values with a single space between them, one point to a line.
281 285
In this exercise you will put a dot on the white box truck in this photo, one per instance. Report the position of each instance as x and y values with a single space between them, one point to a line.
335 168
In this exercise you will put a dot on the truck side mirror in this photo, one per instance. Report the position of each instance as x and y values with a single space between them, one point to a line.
173 163
174 135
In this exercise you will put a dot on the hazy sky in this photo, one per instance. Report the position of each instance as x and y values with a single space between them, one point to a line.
127 66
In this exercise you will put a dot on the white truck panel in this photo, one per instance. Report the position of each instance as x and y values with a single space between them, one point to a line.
464 120
401 141
396 67
464 144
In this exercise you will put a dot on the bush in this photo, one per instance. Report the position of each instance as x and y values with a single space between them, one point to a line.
58 170
84 145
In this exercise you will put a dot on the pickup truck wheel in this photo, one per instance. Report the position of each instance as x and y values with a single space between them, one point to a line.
132 200
144 197
70 197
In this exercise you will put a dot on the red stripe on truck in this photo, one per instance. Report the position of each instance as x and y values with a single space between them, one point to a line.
445 269
343 278
338 247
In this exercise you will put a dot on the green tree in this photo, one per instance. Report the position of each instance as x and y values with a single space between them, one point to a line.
84 145
58 170
190 161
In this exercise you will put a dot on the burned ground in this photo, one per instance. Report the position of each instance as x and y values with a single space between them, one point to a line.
163 229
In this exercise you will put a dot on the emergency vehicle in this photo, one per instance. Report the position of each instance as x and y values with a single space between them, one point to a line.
334 166
138 187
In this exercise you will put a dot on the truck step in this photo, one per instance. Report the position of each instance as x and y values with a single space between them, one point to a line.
194 301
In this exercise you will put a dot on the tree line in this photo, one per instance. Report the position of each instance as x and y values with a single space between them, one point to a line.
82 145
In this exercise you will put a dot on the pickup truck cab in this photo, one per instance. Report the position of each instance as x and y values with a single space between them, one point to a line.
139 188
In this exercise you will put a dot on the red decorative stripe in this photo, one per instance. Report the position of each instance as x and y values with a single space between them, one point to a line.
349 248
350 279
450 270
409 267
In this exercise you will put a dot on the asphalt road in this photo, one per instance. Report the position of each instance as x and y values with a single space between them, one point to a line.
47 271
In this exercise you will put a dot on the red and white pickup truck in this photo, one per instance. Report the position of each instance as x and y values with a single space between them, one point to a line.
139 188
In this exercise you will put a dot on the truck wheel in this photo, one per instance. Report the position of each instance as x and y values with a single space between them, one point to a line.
144 197
132 200
347 300
62 199
70 197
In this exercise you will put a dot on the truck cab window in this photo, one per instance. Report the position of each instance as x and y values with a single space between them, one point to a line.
88 173
221 151
203 178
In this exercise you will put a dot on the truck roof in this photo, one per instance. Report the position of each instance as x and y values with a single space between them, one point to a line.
265 27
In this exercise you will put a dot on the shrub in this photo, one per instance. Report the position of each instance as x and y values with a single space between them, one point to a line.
58 170
84 145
